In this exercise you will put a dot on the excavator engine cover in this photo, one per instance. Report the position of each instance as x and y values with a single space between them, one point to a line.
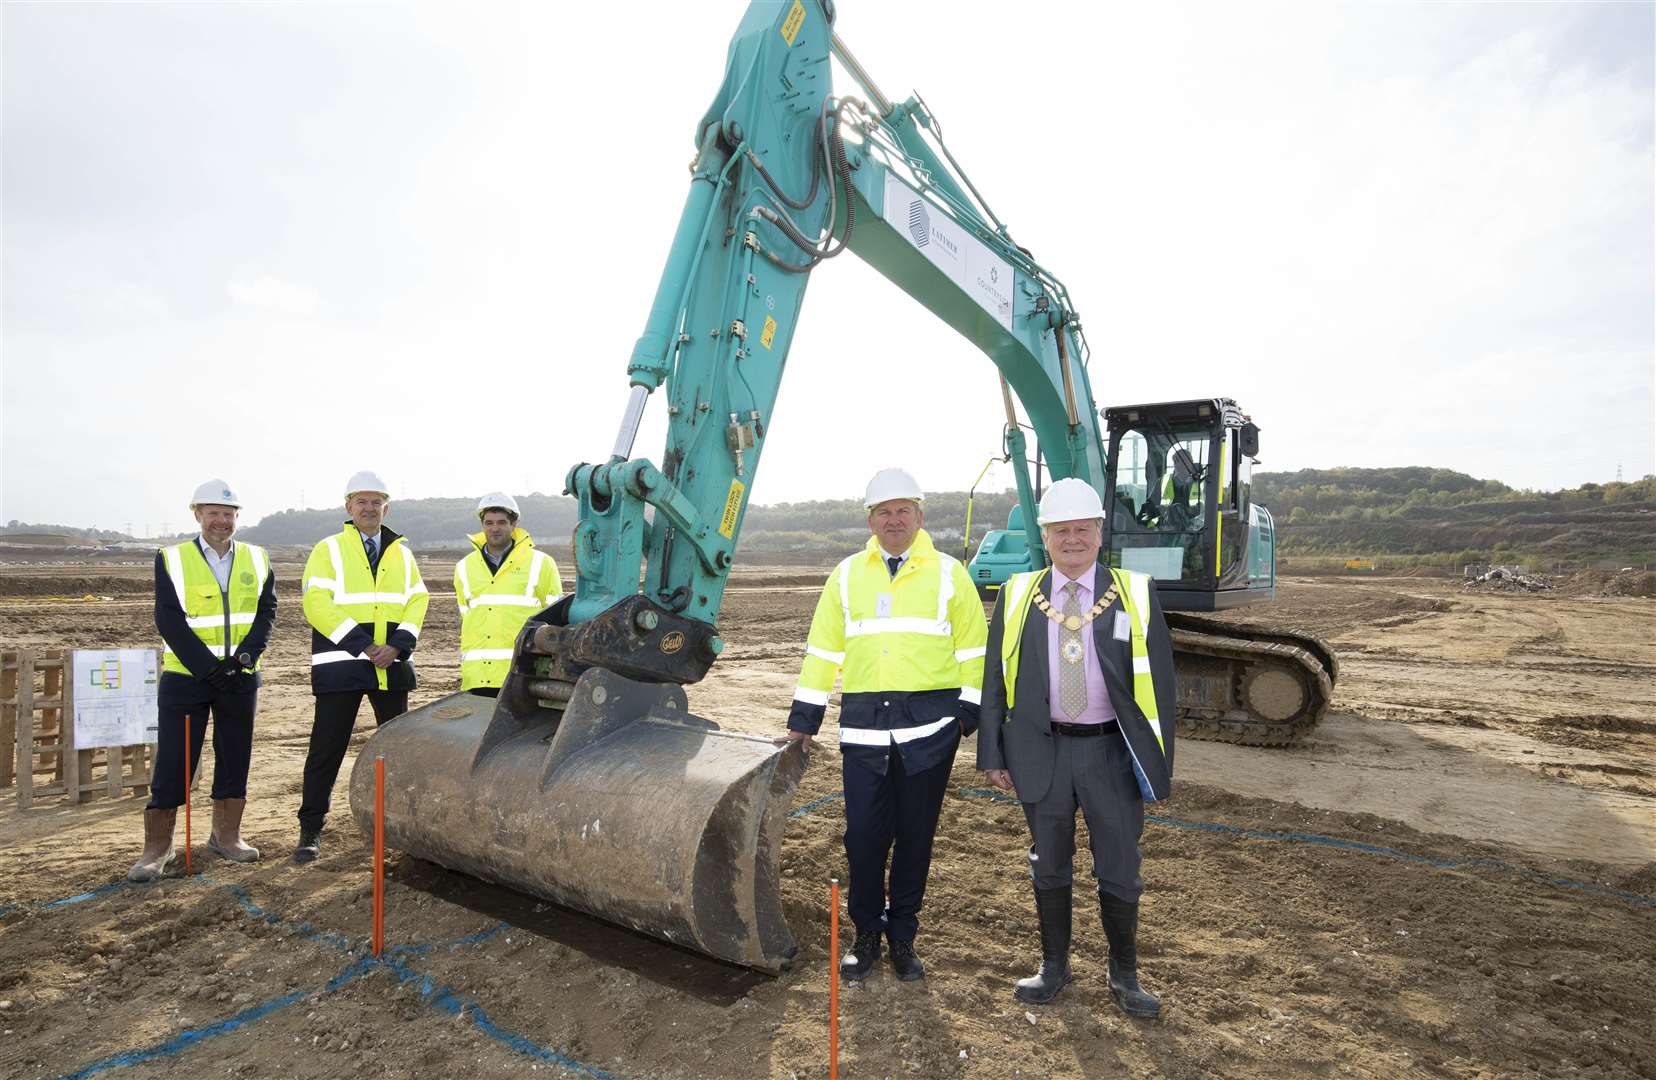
619 804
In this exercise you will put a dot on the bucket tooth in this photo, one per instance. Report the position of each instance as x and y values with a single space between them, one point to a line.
622 805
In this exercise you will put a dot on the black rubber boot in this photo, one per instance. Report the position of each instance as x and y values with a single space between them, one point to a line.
310 845
864 954
1121 926
905 962
1053 908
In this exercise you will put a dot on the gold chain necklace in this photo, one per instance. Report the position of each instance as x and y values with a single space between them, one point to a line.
1075 622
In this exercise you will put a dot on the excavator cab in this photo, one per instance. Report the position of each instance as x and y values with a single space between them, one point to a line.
1179 503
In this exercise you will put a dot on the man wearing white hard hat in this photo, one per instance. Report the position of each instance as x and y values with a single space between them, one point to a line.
502 583
215 605
365 602
902 624
1085 720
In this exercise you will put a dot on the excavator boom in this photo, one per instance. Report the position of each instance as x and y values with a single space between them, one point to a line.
587 781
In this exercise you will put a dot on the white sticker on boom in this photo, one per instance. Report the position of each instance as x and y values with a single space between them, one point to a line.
1123 626
882 606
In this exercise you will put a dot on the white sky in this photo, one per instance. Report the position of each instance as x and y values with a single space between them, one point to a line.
281 242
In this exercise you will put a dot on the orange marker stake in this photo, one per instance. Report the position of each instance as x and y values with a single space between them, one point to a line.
833 979
379 855
186 794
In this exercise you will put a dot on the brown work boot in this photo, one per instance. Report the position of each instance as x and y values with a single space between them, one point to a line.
158 846
225 839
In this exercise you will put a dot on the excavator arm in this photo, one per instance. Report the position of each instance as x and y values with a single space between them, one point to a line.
587 780
786 176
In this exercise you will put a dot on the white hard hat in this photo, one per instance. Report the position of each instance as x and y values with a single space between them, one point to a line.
214 493
1069 500
366 480
497 500
891 484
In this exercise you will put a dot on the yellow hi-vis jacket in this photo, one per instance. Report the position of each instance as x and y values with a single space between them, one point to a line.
209 612
909 652
1146 743
350 608
494 607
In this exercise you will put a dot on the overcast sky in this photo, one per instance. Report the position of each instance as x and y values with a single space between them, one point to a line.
282 242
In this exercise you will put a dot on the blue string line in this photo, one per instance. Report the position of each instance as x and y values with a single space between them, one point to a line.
448 1001
1324 841
186 1038
441 998
808 807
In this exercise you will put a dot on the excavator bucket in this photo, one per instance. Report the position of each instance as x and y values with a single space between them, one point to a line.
619 804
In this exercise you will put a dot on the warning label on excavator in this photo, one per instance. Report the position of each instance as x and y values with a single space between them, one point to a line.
768 333
791 25
733 506
979 272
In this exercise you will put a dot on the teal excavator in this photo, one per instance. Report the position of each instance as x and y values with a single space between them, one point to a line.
588 781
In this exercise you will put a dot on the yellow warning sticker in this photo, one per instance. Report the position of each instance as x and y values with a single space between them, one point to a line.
768 334
733 506
791 25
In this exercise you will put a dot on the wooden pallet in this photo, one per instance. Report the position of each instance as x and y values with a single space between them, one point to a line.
37 715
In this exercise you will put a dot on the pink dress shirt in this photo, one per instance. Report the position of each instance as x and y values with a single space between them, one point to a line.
1098 710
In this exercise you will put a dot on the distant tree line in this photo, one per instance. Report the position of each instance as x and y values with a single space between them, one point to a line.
105 535
1418 511
1412 512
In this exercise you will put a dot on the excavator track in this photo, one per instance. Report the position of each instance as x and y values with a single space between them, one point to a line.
1253 686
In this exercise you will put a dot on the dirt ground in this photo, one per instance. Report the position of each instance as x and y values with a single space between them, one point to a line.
1453 878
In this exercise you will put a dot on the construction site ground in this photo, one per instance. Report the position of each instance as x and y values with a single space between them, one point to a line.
1453 878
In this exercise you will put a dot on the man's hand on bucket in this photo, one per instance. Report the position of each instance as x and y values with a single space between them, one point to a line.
798 737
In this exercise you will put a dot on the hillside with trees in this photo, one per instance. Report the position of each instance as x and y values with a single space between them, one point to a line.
1407 516
1424 516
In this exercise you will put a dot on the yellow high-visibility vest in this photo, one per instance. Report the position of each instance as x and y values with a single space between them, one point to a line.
341 594
210 612
917 632
1134 590
494 607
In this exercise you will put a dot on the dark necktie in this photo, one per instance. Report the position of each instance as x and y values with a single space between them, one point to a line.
895 562
370 544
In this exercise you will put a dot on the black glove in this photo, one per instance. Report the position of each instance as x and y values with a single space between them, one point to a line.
223 676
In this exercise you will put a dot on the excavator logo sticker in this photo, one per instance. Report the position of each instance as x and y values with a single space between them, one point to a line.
672 643
791 25
768 334
733 507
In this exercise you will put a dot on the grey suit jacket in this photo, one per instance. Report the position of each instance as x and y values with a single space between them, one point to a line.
1022 741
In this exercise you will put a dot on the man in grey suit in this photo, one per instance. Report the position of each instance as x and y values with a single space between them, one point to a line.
1085 719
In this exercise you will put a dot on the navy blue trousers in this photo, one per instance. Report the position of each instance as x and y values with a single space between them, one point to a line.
232 747
330 738
892 815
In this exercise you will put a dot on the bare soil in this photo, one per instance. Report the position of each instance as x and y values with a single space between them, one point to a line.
1454 877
